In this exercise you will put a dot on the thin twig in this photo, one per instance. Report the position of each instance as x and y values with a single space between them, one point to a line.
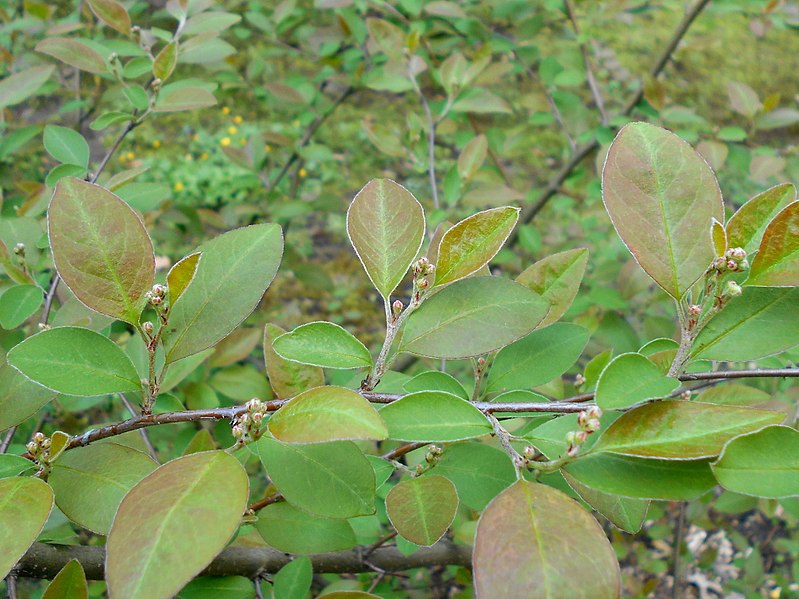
400 451
677 545
11 587
7 438
259 594
145 437
379 543
431 137
268 500
589 71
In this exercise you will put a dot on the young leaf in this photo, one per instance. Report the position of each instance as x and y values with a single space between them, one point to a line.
25 505
745 228
75 361
332 480
386 226
109 470
777 261
533 541
184 98
181 275
327 414
19 303
422 509
764 463
473 242
662 196
472 157
101 249
479 472
460 321
20 397
626 513
165 61
719 237
288 529
759 323
74 53
113 14
630 379
681 430
557 279
323 344
66 145
643 478
20 86
235 270
436 381
62 171
434 416
287 378
69 583
156 544
538 358
293 581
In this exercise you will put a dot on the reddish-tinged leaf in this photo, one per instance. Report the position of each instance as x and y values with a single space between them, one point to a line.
777 260
25 505
472 157
165 61
719 237
101 249
20 86
74 53
745 228
112 13
422 508
535 542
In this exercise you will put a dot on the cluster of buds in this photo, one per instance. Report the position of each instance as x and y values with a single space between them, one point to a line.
433 454
39 448
156 295
422 271
733 260
19 250
247 426
588 421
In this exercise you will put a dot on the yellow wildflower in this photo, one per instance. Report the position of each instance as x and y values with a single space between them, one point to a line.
130 155
303 172
157 143
238 120
225 142
204 156
225 110
232 130
178 186
189 157
267 148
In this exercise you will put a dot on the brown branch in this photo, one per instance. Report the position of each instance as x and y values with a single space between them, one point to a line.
45 561
589 71
269 500
530 211
400 451
6 441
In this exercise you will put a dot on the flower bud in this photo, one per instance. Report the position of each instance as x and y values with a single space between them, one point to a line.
529 452
571 437
744 264
31 447
156 300
159 290
147 327
257 418
732 289
592 425
481 361
579 380
423 284
594 412
19 249
580 437
737 254
731 265
397 307
694 310
38 438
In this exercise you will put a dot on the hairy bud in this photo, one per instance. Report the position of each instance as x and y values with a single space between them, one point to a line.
732 289
159 290
694 310
147 327
19 249
397 307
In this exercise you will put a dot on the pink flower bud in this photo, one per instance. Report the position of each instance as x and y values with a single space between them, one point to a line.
694 310
397 307
159 290
156 300
594 412
147 327
424 284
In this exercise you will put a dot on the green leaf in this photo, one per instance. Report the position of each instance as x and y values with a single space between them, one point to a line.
25 505
62 171
288 529
14 272
19 303
481 101
20 397
436 381
557 279
109 470
75 361
165 61
69 583
777 261
624 512
534 541
472 157
137 97
460 321
113 14
746 227
323 344
681 430
181 275
434 416
210 22
734 394
107 119
327 414
220 587
662 196
332 480
630 379
232 277
719 236
764 463
156 545
287 378
12 465
386 227
472 243
643 478
479 472
540 357
743 99
73 52
761 322
20 86
66 145
293 581
422 509
184 98
101 249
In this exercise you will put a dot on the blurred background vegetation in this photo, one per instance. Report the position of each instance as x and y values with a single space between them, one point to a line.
316 98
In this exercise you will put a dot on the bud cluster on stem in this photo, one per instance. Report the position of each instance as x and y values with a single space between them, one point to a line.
247 426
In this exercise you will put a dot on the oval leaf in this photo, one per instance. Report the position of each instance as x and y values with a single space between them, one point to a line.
74 53
165 62
75 361
777 260
287 378
184 98
20 397
662 196
235 270
681 430
557 279
156 544
422 509
472 243
434 416
288 529
25 505
101 249
630 379
181 275
21 86
626 513
533 541
763 463
19 303
112 13
386 226
327 414
745 228
69 583
462 320
109 470
472 157
66 145
323 344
